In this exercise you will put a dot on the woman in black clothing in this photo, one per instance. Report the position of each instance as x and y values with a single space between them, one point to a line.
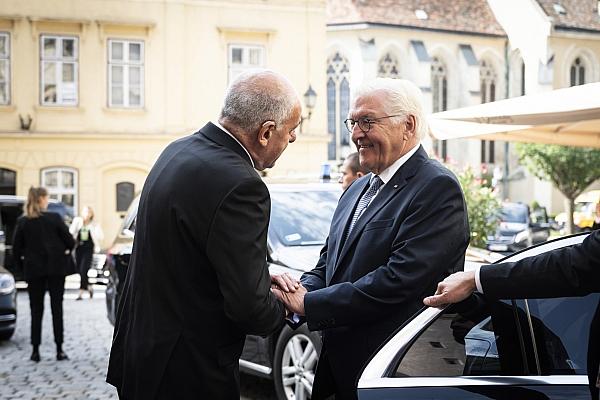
41 245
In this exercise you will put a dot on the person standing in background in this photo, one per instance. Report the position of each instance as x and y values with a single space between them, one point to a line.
596 224
351 170
88 235
41 246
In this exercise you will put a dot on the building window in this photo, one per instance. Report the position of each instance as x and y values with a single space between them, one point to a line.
59 70
125 73
577 72
125 192
338 104
4 68
61 183
8 182
488 79
244 57
388 67
439 90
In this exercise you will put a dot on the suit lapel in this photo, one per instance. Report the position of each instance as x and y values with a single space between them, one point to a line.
347 212
217 135
385 195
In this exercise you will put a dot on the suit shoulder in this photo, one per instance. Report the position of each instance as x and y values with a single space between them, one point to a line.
435 170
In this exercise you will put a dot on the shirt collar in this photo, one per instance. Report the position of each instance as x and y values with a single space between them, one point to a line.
234 138
387 173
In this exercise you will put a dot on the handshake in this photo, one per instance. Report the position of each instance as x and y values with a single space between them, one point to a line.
290 292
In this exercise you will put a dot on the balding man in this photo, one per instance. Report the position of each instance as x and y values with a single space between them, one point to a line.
394 233
351 170
198 282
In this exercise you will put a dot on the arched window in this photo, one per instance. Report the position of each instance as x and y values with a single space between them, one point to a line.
577 72
338 103
388 67
488 79
439 94
8 181
125 192
61 183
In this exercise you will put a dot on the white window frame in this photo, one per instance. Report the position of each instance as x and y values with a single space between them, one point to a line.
56 192
235 70
6 58
60 61
126 64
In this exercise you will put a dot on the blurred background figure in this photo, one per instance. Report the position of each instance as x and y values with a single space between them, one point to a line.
351 170
88 236
596 224
41 245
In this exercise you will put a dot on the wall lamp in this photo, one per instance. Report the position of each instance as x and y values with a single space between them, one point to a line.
310 100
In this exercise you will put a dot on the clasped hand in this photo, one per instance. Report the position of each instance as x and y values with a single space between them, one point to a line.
289 291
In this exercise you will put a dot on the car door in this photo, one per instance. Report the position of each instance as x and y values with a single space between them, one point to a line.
478 349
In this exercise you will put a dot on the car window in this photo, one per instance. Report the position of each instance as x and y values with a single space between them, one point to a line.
9 215
514 213
474 338
302 218
562 328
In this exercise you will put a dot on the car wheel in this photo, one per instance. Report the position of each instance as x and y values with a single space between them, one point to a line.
6 335
295 362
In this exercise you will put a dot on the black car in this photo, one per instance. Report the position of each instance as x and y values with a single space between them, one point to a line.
519 228
480 349
300 218
11 208
8 302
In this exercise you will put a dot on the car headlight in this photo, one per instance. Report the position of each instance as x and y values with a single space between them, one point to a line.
7 284
521 236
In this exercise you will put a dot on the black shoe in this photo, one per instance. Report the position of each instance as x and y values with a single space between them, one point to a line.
61 355
35 356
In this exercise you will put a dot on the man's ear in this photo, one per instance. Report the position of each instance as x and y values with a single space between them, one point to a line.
359 174
411 125
265 132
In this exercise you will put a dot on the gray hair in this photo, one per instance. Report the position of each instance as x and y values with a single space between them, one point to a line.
402 98
257 96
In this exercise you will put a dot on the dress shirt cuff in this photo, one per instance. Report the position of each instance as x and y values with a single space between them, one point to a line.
293 318
478 280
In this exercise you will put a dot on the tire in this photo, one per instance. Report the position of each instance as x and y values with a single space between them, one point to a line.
295 362
6 335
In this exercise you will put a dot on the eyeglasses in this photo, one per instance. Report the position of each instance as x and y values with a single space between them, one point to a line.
364 123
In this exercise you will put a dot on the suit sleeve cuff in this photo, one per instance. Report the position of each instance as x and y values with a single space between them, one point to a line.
478 280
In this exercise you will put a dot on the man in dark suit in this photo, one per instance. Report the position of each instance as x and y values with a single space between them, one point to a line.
394 233
198 281
569 271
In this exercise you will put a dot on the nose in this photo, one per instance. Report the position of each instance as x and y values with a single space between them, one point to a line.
357 133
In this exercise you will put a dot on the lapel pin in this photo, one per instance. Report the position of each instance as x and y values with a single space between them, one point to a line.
395 186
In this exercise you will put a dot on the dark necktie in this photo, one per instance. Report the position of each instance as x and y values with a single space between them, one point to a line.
364 201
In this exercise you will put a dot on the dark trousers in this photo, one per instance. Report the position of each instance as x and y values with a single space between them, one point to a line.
83 256
37 290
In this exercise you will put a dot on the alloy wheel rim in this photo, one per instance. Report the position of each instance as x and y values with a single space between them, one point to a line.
298 364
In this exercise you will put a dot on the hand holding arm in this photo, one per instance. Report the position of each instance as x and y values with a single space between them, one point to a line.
455 288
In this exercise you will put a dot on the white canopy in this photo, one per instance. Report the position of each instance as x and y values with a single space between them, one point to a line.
569 117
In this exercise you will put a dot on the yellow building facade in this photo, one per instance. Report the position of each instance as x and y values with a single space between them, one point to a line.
91 91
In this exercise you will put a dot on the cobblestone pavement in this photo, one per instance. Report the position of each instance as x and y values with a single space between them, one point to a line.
87 342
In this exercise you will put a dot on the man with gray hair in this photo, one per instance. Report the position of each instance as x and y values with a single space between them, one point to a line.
395 232
197 281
